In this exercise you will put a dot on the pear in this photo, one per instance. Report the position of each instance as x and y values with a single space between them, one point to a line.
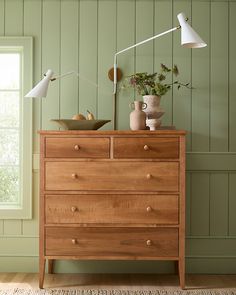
90 116
79 117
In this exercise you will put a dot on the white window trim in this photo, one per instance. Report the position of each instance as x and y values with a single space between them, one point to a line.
24 210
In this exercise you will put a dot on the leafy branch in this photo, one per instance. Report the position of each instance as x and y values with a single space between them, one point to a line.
154 84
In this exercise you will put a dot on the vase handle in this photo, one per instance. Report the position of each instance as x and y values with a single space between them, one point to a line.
131 105
144 106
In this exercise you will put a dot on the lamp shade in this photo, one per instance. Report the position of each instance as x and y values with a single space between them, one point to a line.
189 38
41 89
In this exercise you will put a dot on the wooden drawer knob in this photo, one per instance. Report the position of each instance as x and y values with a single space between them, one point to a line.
73 209
74 241
149 176
74 175
149 242
146 147
76 147
149 209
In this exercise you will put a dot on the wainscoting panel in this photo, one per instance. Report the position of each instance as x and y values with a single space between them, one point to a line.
182 56
106 34
232 76
51 41
125 37
83 36
200 108
219 204
200 204
88 54
232 204
69 58
219 70
163 51
33 27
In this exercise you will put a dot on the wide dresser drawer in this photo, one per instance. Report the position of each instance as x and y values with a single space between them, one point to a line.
112 243
146 147
101 209
134 176
77 147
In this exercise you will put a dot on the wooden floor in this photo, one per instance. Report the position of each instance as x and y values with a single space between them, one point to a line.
117 281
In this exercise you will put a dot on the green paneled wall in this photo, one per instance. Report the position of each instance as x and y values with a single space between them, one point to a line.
83 35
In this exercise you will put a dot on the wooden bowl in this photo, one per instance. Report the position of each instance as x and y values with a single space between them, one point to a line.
70 124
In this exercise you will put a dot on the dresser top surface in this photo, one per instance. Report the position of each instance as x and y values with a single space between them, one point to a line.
113 132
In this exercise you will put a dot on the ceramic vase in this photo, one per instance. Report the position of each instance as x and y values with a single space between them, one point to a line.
153 111
138 116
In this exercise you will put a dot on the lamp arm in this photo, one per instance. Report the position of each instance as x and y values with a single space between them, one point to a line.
147 40
77 74
133 46
63 75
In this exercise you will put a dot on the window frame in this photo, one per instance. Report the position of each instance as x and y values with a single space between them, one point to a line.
24 209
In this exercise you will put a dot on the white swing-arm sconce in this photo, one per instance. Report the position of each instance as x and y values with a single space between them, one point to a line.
189 39
115 68
41 89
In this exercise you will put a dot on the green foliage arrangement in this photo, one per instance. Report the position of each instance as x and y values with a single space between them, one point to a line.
154 84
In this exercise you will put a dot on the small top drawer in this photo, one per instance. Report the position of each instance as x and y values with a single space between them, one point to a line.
146 147
76 147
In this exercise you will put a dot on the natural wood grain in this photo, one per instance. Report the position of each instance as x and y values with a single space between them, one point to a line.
41 270
165 131
115 242
163 148
101 207
41 214
112 176
146 209
182 215
73 147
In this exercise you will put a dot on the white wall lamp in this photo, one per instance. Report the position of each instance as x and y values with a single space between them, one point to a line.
41 89
189 39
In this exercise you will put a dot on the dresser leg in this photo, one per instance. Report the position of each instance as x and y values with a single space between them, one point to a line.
182 273
41 272
50 266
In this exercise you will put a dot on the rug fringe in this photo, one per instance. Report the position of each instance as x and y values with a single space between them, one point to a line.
114 292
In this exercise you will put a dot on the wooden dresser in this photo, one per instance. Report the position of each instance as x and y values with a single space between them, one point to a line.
112 195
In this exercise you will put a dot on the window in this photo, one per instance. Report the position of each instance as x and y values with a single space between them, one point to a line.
15 128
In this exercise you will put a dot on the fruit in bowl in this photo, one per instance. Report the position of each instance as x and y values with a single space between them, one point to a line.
80 122
90 116
78 117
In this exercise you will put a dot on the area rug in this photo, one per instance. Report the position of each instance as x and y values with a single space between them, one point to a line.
115 292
